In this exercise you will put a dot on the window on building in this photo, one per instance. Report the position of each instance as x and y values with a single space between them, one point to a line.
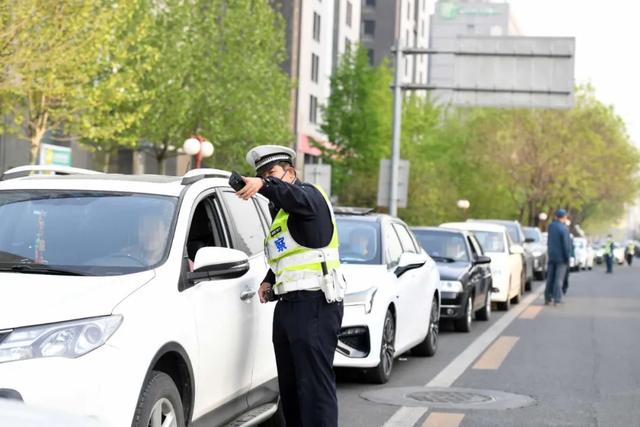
313 109
370 55
371 3
409 11
369 27
315 67
347 45
349 13
316 26
406 67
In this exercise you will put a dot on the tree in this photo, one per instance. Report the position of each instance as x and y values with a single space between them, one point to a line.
217 76
357 122
53 47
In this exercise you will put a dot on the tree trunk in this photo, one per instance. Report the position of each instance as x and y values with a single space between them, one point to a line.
36 139
106 161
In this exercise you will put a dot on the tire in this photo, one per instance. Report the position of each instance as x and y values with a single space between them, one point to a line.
429 346
484 313
159 398
463 324
381 373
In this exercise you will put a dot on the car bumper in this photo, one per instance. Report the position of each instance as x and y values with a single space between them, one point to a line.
539 264
452 305
92 385
367 344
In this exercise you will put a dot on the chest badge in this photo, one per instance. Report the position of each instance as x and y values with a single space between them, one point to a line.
276 231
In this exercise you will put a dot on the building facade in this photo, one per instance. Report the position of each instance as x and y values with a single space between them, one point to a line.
386 21
318 33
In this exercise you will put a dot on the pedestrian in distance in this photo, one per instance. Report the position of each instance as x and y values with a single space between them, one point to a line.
559 251
629 253
608 254
565 283
302 251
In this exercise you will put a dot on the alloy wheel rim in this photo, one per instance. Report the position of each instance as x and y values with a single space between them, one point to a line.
163 414
433 332
387 349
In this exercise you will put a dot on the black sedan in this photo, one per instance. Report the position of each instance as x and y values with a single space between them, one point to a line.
465 275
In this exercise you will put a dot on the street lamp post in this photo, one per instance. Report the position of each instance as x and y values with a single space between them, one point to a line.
542 220
198 146
464 205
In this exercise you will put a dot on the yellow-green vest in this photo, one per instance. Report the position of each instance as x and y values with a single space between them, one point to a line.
298 267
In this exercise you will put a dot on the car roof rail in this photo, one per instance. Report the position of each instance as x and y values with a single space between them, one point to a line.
54 169
196 175
347 210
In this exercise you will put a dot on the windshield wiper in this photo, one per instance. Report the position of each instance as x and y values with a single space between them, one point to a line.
443 258
39 269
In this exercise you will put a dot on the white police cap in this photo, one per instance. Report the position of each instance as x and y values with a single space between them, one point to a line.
263 155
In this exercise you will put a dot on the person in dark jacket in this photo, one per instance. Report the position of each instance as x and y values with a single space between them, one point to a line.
559 252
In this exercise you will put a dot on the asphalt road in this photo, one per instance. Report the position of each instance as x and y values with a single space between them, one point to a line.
577 364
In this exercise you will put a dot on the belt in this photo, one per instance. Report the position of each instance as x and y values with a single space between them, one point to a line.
300 295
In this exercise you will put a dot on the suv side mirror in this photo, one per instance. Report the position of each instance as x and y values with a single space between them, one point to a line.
218 263
482 259
517 249
409 261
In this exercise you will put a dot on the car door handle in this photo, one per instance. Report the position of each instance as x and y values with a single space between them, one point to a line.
247 295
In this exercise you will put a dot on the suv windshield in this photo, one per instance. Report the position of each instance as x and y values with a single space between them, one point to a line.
83 232
443 245
359 241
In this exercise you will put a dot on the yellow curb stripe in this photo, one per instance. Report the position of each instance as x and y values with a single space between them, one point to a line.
495 355
441 419
531 312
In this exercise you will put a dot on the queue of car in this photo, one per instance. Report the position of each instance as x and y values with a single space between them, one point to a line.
142 294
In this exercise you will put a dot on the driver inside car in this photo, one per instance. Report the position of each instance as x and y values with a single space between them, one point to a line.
152 232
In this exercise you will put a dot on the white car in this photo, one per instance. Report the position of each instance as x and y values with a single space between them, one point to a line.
583 253
132 299
618 253
506 260
392 303
17 414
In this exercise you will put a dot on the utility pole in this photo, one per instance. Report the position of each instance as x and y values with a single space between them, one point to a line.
395 144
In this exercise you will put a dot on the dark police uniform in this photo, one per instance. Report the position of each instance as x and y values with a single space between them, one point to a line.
305 325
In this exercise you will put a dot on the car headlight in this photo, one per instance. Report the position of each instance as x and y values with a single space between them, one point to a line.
364 298
451 286
67 339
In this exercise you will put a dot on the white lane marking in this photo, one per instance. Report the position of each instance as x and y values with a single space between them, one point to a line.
406 417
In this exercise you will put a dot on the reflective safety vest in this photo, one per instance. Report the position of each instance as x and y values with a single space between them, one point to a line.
608 248
298 267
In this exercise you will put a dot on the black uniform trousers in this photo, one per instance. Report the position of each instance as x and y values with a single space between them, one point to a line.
305 335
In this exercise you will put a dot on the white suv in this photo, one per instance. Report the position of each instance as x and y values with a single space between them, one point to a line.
132 299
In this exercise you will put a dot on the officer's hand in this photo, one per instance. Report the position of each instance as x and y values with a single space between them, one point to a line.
264 287
253 185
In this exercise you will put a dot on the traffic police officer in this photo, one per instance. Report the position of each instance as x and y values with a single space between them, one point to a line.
302 250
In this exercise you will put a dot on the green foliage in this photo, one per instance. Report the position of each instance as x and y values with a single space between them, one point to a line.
357 121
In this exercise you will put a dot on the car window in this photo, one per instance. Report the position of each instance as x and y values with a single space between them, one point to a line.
443 244
203 230
491 241
263 205
405 238
249 233
359 241
393 248
87 232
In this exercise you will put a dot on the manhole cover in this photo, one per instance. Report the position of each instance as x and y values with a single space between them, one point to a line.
451 398
455 397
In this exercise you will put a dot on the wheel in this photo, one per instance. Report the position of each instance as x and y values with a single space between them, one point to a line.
429 345
463 324
159 404
484 313
381 373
